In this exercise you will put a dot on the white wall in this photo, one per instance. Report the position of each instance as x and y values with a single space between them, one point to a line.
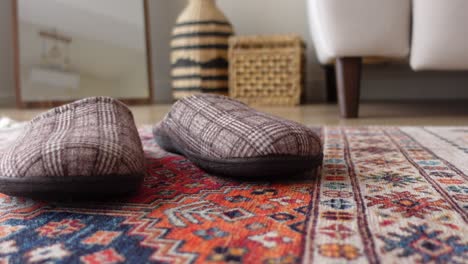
78 18
128 11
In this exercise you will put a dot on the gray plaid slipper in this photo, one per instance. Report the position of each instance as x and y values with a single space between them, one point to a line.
226 137
87 148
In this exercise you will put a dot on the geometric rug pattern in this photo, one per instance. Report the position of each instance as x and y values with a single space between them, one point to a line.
383 195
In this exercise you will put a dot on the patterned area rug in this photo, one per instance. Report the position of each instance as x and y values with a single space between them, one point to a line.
383 195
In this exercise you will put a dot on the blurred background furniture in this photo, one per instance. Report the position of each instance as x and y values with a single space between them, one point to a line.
199 50
344 32
348 33
267 70
67 50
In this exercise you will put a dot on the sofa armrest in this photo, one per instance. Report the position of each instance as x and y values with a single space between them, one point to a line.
440 35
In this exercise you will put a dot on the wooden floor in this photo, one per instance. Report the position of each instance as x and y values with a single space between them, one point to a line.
371 113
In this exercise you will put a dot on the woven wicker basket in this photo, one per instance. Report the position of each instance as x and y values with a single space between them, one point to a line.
267 70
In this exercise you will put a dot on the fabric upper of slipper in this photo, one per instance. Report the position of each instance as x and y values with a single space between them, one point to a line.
91 137
215 126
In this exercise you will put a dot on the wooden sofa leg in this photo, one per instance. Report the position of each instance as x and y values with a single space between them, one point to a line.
330 83
348 79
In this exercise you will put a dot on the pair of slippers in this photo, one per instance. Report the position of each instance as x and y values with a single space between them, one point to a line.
92 148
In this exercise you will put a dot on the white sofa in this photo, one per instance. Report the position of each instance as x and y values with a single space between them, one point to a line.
347 31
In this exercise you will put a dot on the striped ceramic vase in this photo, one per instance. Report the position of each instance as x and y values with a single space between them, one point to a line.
199 50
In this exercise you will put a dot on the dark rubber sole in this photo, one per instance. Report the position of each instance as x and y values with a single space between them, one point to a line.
84 187
272 166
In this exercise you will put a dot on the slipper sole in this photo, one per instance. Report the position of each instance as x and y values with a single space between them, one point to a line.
261 167
71 187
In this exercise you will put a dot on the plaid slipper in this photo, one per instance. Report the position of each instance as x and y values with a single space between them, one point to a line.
87 148
226 137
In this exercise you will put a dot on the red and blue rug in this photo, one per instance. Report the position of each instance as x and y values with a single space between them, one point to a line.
383 195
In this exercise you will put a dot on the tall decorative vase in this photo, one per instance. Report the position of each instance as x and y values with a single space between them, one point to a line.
200 49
